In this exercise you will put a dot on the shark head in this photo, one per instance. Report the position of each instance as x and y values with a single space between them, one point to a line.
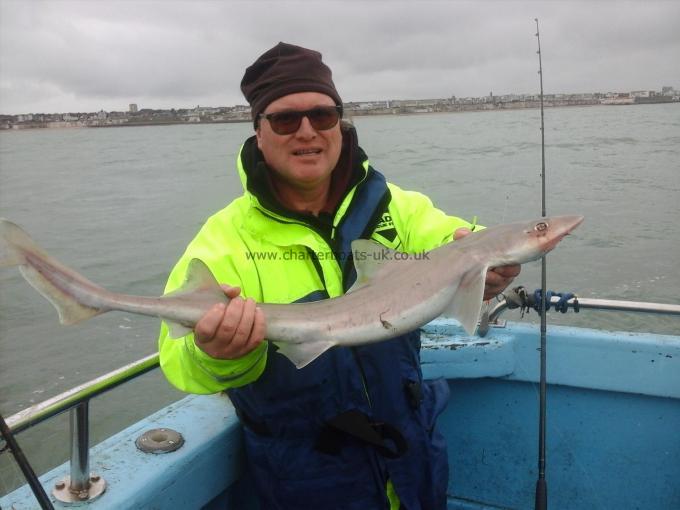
533 239
517 243
550 231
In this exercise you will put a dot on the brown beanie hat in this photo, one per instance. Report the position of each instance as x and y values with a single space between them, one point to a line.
286 69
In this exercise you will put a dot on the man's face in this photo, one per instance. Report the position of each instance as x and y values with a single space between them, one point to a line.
306 158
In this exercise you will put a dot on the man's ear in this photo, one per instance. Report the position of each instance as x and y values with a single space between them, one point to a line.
258 135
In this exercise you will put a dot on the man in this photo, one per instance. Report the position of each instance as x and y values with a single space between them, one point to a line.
355 429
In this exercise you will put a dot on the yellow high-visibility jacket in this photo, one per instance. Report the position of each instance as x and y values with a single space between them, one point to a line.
268 255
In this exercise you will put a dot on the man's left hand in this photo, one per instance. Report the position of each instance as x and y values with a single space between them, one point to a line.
497 278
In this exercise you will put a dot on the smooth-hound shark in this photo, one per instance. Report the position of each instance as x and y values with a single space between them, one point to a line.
393 293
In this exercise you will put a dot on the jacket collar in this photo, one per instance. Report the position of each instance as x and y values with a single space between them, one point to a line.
254 175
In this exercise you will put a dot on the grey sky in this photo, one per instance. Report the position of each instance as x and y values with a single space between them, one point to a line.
59 56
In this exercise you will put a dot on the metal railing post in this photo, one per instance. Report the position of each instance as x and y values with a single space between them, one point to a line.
80 447
80 485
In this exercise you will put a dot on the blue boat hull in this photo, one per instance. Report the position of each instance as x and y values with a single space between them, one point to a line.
612 436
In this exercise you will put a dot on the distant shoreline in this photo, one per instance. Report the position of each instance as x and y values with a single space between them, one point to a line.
349 113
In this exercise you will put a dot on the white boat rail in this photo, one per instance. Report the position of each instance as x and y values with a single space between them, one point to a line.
583 303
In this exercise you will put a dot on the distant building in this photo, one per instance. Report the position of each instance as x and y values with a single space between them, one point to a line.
205 110
133 108
641 93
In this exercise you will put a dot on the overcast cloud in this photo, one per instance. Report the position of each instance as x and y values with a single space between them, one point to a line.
60 56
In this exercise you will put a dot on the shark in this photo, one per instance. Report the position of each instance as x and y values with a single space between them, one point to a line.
394 292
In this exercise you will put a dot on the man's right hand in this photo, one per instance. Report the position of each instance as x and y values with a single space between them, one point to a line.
233 330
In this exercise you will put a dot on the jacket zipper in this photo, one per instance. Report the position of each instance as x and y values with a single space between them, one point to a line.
332 244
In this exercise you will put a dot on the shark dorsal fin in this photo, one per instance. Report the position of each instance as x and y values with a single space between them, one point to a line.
198 279
369 256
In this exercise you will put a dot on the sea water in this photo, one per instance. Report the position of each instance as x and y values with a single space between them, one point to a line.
120 204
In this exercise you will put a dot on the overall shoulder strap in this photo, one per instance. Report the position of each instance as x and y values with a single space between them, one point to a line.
370 201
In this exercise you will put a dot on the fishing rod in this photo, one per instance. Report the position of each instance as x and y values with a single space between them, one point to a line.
541 501
25 466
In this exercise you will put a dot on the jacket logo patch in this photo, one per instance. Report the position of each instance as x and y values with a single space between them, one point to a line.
385 222
389 234
385 228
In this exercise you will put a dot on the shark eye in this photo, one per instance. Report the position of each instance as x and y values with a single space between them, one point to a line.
541 226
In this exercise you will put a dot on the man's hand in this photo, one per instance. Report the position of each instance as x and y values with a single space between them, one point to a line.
497 278
233 330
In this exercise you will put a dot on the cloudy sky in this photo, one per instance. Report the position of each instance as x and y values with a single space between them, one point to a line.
59 55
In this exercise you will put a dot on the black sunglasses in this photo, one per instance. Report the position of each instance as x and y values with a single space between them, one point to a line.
288 122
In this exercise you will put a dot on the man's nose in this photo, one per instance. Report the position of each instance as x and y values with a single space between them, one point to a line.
305 130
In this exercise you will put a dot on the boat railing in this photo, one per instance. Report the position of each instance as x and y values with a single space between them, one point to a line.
494 313
82 486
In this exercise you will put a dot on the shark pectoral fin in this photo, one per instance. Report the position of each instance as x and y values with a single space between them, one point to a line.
467 302
177 330
303 353
368 256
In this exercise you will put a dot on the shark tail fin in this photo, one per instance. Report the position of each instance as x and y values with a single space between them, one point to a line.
53 280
